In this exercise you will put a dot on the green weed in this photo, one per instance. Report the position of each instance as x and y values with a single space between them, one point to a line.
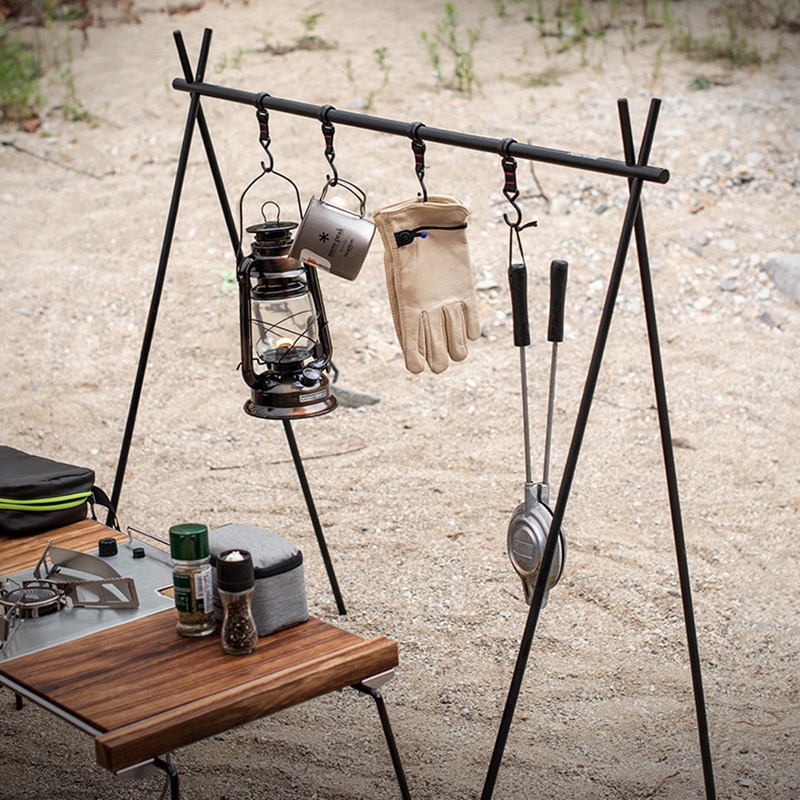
19 78
734 49
728 37
308 40
448 38
549 76
381 57
71 105
27 71
234 62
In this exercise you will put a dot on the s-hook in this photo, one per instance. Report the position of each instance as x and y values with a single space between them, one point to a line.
267 167
327 131
510 190
263 132
418 146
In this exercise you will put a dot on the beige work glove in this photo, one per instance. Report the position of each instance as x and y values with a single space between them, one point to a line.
429 280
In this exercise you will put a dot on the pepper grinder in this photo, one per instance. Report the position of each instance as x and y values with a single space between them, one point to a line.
235 583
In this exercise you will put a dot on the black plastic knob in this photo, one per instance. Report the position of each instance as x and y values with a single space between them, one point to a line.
107 547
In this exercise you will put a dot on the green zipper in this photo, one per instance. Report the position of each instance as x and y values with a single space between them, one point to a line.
45 504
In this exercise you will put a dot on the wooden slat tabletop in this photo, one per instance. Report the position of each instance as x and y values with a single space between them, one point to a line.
20 553
149 690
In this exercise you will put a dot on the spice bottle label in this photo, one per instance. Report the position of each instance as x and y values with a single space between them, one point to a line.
184 597
204 590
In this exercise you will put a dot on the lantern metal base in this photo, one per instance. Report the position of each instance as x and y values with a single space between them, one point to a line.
295 397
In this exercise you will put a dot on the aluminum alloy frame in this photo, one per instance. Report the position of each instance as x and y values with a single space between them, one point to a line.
637 171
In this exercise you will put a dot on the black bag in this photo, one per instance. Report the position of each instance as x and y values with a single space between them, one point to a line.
38 494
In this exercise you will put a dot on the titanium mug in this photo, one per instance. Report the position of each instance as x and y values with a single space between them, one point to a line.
333 238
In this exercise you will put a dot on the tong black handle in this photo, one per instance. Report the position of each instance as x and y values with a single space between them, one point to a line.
518 284
558 293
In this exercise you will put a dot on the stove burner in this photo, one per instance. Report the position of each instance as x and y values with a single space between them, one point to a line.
33 599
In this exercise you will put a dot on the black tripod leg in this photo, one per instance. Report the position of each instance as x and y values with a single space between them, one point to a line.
671 472
236 244
312 512
158 287
213 163
172 777
389 735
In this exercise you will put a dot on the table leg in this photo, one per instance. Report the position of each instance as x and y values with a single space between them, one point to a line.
172 776
387 732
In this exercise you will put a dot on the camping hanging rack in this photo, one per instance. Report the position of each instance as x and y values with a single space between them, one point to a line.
635 169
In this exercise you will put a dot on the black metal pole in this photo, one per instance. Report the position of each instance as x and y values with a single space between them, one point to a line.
670 469
237 250
312 512
213 163
169 232
590 385
172 777
467 141
389 736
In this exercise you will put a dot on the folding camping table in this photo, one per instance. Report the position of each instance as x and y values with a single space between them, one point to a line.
104 682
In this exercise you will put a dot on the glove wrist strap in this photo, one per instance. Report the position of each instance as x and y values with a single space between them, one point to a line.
407 236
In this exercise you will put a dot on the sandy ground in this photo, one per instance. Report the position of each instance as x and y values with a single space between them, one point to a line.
415 492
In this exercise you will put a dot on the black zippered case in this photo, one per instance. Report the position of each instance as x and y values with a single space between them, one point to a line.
38 494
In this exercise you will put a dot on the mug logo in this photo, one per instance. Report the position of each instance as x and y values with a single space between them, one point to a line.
323 237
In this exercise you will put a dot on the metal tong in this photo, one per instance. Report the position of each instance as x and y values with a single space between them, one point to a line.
530 522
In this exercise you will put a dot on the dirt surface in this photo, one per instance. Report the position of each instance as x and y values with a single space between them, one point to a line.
415 491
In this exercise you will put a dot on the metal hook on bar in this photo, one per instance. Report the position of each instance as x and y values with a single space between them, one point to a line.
418 146
510 189
327 131
263 133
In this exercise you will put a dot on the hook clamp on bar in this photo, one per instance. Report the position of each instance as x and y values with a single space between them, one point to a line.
510 189
328 130
418 146
263 132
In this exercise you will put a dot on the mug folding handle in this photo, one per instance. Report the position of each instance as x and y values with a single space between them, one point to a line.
351 187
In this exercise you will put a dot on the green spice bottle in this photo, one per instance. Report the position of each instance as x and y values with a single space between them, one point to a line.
191 579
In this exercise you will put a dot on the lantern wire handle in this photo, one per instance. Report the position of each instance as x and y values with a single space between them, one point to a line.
268 167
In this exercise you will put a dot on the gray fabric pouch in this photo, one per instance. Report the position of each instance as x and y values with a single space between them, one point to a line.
279 598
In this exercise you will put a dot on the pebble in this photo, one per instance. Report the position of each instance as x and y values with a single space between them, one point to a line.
784 271
351 398
695 239
559 206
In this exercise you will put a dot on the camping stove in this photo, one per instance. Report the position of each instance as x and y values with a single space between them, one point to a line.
32 600
68 595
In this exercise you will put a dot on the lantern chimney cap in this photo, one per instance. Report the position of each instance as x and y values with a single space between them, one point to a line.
271 229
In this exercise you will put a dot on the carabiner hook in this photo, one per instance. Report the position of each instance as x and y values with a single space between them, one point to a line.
510 190
263 135
418 146
327 131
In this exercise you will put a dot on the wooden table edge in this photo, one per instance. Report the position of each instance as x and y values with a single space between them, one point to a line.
138 742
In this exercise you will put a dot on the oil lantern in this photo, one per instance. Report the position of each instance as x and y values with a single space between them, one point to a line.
286 347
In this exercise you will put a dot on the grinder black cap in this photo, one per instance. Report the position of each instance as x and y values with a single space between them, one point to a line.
235 571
